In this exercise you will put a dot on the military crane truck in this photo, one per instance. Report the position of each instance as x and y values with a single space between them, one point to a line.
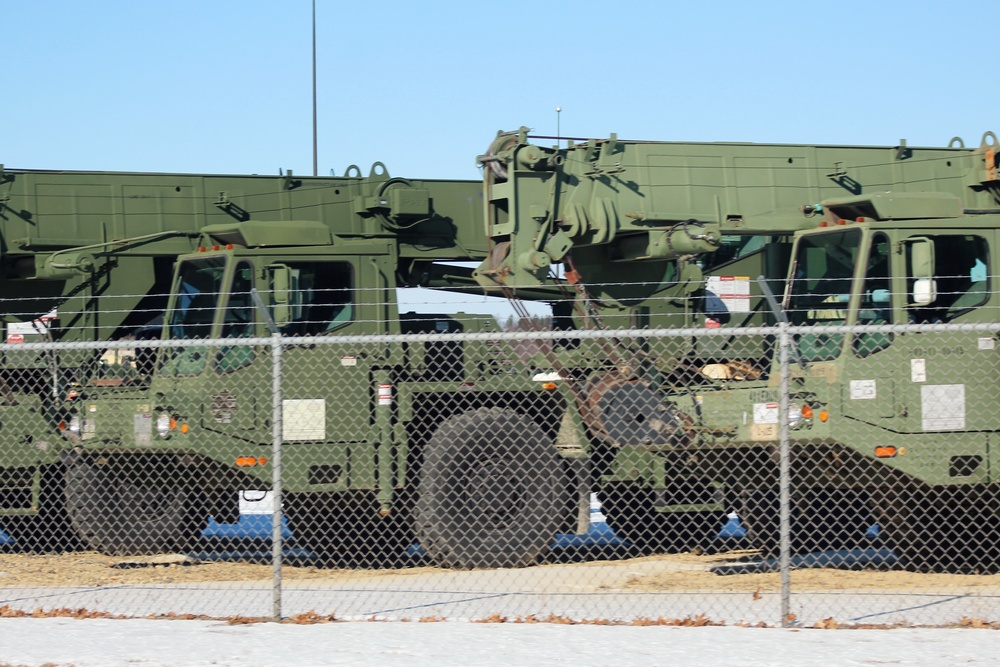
185 444
89 256
371 475
669 492
887 428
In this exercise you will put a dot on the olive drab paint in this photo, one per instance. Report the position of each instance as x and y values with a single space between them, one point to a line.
610 233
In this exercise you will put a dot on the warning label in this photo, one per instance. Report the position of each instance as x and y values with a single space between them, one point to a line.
19 332
732 291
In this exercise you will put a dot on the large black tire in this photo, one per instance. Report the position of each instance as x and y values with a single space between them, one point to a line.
49 530
758 514
347 530
119 517
631 513
489 491
942 529
833 520
821 520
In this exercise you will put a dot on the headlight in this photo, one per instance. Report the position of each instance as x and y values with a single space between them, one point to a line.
163 425
74 424
794 415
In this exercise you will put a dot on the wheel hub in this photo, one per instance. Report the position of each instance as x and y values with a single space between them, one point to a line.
494 492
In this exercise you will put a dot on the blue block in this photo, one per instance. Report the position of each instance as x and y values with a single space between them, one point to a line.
249 527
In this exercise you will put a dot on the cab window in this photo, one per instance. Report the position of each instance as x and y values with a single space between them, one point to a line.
322 297
199 284
238 321
875 306
820 289
197 293
960 276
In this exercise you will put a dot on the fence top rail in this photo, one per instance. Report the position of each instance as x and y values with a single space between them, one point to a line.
602 334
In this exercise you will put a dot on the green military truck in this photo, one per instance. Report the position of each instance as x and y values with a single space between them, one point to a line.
90 256
888 236
887 427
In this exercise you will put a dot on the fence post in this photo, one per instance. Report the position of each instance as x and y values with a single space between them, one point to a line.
277 417
784 481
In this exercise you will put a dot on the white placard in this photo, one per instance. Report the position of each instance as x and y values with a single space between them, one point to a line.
943 407
256 502
918 370
863 390
31 328
765 413
25 328
303 419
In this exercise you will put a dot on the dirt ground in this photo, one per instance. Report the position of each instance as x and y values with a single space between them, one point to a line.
679 572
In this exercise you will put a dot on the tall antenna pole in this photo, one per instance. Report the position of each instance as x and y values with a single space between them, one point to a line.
315 153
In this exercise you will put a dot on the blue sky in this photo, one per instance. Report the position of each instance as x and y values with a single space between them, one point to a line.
224 86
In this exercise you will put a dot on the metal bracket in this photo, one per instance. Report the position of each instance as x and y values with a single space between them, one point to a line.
902 152
225 204
991 164
289 182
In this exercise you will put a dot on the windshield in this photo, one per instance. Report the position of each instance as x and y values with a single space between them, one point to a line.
820 289
199 283
821 284
238 320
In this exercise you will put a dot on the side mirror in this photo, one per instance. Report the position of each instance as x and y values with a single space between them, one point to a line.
921 255
281 294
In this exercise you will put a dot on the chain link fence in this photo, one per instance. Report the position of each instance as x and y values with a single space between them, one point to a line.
791 475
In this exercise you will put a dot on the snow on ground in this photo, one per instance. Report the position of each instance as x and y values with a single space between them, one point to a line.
51 642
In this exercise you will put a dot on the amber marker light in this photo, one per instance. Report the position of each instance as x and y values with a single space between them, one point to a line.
184 428
885 452
823 415
250 461
807 412
548 386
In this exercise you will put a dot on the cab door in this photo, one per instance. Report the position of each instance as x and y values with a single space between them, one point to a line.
237 401
329 390
331 395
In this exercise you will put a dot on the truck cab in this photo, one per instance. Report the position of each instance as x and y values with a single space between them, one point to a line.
878 420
